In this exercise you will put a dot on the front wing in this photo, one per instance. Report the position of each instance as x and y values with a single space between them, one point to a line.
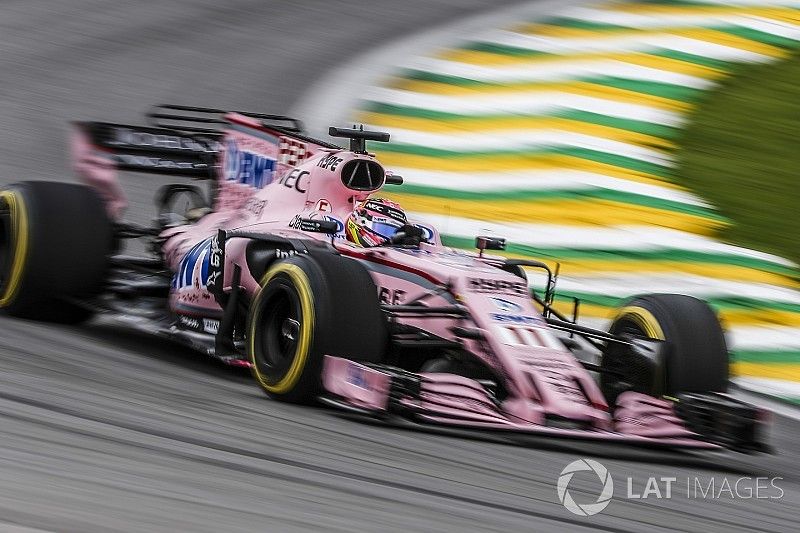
698 421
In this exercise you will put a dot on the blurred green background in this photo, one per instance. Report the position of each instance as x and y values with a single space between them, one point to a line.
741 151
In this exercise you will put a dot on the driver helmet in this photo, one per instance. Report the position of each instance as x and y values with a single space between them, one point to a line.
374 221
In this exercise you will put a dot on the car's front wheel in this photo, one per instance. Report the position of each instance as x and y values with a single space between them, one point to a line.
696 357
310 306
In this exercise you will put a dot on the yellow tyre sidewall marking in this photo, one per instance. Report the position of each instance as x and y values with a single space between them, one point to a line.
19 237
644 319
303 288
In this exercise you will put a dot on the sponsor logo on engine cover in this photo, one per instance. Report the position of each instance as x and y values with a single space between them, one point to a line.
329 162
297 179
242 166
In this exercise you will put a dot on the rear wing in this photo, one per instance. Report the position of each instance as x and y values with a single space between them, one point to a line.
189 142
209 121
149 149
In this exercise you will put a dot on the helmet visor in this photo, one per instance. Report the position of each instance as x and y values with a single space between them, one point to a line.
385 230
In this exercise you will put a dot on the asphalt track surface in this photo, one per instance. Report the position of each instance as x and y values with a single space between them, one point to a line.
105 430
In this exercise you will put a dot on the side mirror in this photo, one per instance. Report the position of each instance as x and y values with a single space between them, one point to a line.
408 235
489 243
394 179
318 225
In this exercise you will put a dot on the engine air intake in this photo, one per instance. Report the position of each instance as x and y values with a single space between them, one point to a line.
362 175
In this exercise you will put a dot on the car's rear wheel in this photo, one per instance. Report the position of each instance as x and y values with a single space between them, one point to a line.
696 358
55 239
310 306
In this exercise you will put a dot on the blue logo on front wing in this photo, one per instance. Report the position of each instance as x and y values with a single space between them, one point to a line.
184 276
505 305
516 319
246 167
357 376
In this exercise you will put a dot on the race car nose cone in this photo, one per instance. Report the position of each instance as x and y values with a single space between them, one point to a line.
290 329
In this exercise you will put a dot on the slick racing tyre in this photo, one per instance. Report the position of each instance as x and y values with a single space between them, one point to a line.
309 306
696 358
55 239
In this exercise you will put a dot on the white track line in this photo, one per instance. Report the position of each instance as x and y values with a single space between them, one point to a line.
518 140
540 180
543 103
623 43
574 237
558 71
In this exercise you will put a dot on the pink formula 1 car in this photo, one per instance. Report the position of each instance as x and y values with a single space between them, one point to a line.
261 275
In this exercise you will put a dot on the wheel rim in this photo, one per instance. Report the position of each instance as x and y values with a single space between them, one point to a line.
626 326
281 327
281 321
638 322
